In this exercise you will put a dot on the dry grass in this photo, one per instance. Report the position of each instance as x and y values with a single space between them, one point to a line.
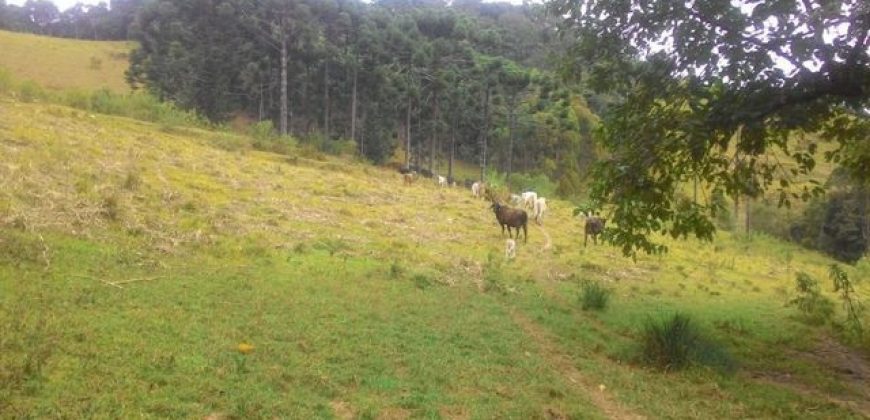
361 295
58 63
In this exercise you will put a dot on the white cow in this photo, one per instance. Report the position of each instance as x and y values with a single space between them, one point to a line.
529 198
540 209
477 189
442 182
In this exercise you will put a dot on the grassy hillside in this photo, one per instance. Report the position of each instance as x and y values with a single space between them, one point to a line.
58 63
138 262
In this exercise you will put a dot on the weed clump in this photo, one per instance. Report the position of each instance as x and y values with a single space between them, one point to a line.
675 343
494 275
593 295
851 304
133 180
396 270
815 308
422 281
111 207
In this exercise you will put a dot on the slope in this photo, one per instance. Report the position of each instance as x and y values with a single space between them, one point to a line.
135 259
60 63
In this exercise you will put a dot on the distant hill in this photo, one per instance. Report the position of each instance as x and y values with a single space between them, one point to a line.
58 63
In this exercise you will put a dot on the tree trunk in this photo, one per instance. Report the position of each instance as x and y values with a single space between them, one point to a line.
746 209
261 111
736 212
510 159
434 135
326 99
408 135
353 107
284 101
362 144
485 135
452 147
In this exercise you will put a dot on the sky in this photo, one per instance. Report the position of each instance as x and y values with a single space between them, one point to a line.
61 4
66 4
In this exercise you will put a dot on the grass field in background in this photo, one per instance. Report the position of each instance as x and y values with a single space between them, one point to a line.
59 63
135 258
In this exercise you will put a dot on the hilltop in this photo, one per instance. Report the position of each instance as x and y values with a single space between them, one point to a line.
60 63
138 261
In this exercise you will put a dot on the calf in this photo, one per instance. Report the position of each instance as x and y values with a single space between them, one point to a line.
594 226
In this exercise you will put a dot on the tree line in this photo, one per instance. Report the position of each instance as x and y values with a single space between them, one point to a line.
471 80
96 22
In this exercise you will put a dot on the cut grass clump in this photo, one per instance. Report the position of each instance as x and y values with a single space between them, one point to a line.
675 343
593 296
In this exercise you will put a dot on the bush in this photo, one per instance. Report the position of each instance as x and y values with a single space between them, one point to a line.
815 308
851 304
263 131
675 343
265 138
593 295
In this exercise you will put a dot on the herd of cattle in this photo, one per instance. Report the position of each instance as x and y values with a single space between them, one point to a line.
509 216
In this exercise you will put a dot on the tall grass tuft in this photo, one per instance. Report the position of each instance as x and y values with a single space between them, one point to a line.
593 295
675 343
494 275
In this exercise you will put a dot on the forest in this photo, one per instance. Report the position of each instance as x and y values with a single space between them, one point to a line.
473 81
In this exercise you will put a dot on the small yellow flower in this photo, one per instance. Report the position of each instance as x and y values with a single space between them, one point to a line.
245 348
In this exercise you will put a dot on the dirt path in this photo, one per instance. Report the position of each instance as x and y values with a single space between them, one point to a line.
850 368
561 363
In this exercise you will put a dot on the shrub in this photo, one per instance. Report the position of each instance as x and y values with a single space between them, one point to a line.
593 295
815 308
851 304
262 131
676 343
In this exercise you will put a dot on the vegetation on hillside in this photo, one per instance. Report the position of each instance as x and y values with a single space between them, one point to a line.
55 63
138 262
708 91
155 263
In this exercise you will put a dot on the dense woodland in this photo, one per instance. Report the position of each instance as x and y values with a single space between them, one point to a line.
471 81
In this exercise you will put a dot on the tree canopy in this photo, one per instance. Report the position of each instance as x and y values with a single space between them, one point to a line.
712 92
